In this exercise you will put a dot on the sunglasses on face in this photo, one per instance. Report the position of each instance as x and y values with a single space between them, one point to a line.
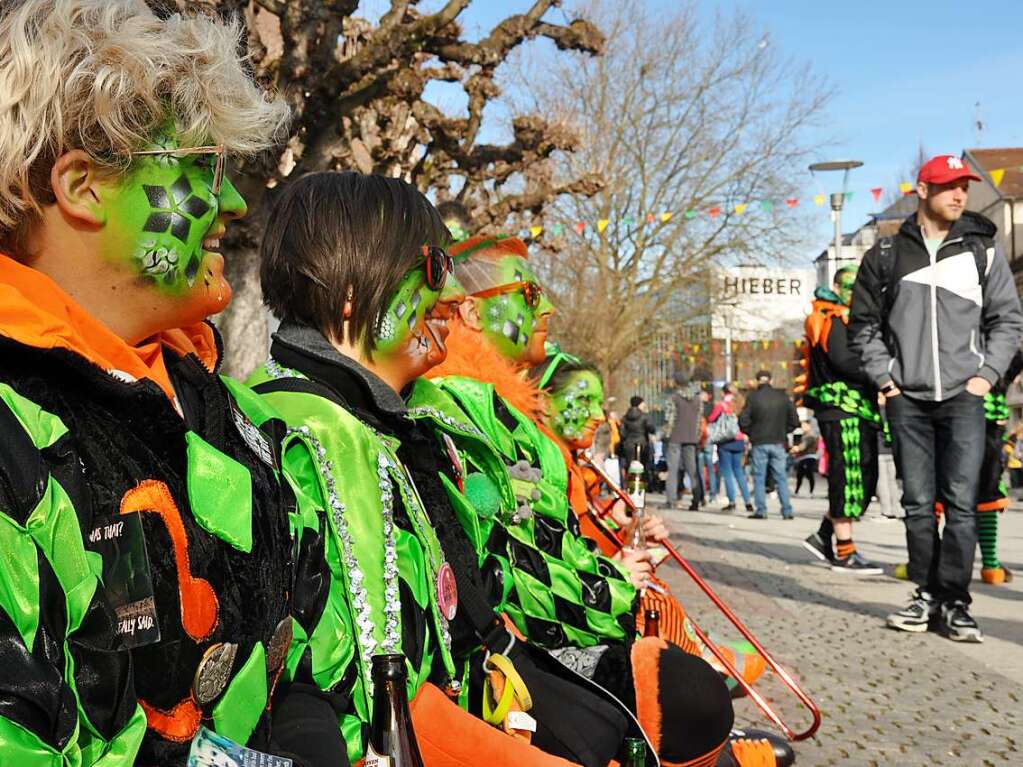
218 150
531 291
438 266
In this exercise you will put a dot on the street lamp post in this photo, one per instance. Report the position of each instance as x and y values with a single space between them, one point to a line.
728 304
837 198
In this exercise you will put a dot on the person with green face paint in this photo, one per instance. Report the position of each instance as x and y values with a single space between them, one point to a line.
575 392
845 404
577 407
355 268
149 543
558 589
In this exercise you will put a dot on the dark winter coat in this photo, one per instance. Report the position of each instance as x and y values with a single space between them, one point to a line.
944 322
636 430
768 417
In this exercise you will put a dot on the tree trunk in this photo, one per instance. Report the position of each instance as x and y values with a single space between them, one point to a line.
244 323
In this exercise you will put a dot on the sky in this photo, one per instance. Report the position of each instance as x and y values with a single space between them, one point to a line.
905 73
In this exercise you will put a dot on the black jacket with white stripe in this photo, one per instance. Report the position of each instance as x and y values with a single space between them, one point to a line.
943 321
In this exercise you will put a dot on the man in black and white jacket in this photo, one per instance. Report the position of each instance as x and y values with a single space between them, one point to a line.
935 320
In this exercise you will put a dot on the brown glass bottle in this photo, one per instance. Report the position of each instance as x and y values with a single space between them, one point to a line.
651 622
392 739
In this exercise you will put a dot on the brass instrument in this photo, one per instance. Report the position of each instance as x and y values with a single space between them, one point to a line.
784 675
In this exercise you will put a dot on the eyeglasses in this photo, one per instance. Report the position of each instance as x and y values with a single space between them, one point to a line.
218 150
438 266
531 291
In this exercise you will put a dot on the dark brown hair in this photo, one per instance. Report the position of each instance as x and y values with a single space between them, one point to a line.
329 230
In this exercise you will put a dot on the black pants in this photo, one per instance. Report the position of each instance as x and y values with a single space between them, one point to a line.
806 468
852 466
939 449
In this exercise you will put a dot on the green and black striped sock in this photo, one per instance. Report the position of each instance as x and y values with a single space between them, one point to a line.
987 533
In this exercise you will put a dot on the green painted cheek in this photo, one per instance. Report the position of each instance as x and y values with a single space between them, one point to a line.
508 323
577 404
405 312
161 216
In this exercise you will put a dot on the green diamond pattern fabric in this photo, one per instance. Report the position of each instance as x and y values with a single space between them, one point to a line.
237 712
220 493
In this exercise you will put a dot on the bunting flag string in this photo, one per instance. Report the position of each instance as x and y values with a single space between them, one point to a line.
713 211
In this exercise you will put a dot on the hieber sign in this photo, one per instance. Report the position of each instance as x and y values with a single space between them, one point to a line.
756 302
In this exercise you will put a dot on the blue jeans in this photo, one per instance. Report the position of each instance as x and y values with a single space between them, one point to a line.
939 447
706 460
770 457
730 463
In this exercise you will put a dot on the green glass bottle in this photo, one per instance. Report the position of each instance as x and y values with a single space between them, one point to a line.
635 752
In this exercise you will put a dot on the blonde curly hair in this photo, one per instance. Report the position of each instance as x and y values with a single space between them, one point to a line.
104 76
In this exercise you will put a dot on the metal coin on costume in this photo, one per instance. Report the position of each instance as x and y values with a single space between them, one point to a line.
214 671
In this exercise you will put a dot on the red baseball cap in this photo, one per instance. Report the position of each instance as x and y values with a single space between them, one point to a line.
943 169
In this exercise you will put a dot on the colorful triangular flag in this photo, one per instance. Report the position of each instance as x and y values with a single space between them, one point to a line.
650 218
665 218
714 212
557 229
792 202
848 196
905 187
818 199
767 205
602 225
876 192
535 231
741 208
997 175
580 227
691 213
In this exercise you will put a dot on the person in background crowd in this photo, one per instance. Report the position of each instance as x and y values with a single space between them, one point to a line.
805 455
992 494
706 465
935 320
730 454
614 424
456 219
844 402
767 419
603 449
637 429
888 492
1014 447
682 429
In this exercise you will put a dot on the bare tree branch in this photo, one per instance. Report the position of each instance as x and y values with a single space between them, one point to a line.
677 117
356 91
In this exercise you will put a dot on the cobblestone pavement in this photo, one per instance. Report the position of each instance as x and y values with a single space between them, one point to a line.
886 697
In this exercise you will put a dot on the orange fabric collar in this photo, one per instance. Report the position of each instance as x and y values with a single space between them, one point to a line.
36 312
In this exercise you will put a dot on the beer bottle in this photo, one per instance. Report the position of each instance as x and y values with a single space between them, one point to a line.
635 752
651 622
637 492
392 740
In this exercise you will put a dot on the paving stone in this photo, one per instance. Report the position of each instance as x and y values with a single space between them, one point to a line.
886 697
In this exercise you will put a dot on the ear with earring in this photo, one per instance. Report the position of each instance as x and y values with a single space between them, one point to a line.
346 312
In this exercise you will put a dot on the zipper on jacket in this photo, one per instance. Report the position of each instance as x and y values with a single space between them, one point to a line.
973 348
933 258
